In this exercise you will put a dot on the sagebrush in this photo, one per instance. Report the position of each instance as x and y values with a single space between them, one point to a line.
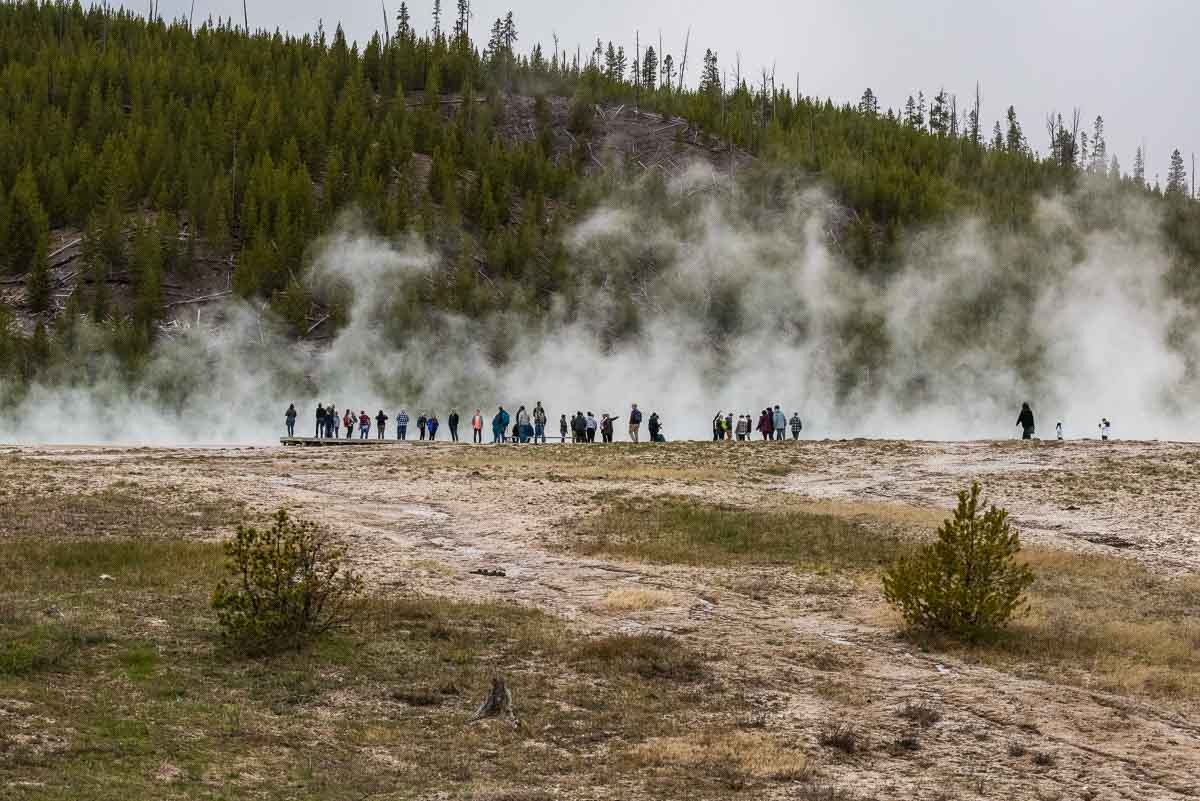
287 584
968 583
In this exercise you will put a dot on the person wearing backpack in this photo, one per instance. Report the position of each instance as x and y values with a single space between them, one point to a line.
402 425
523 428
579 427
539 423
380 424
432 425
477 428
635 423
797 425
290 418
655 426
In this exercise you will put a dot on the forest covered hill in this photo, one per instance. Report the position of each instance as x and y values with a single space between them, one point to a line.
146 165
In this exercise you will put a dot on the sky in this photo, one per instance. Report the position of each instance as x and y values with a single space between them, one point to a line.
1129 62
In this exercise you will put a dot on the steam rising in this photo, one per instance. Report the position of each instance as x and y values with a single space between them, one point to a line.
736 307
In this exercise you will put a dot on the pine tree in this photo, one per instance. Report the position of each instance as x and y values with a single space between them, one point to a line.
462 24
869 104
939 122
649 69
1014 138
1177 179
710 75
28 226
997 137
610 63
437 19
1099 155
1139 168
403 23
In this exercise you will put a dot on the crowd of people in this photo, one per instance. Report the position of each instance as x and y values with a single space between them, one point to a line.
527 425
773 424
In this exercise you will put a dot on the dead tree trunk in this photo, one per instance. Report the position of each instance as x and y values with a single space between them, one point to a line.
498 704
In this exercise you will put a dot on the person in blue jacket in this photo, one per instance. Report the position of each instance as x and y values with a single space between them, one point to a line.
499 425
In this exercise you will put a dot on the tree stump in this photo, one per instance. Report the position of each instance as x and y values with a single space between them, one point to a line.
498 704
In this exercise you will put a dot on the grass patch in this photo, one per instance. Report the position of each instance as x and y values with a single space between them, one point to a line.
681 531
35 506
636 599
735 759
1102 622
651 656
132 695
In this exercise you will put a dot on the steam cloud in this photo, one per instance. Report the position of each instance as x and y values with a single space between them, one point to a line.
738 308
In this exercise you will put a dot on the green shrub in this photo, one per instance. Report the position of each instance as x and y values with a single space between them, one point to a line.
968 583
287 585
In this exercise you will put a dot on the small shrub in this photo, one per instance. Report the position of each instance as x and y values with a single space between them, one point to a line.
1043 759
287 585
967 584
840 736
1016 750
920 713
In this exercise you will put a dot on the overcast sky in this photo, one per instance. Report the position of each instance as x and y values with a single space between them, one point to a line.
1133 63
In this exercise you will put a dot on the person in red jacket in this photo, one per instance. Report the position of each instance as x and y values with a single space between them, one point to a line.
364 424
766 425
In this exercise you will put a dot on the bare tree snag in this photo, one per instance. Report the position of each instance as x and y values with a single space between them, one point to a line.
498 704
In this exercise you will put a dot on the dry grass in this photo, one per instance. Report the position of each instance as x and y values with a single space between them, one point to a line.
131 695
734 757
683 531
636 599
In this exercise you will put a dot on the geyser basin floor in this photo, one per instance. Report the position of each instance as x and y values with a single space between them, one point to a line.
786 650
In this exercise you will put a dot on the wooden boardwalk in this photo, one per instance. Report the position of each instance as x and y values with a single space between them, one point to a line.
331 442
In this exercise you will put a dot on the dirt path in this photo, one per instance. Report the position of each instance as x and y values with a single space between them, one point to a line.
425 520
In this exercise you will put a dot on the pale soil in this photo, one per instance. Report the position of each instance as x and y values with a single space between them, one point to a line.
804 650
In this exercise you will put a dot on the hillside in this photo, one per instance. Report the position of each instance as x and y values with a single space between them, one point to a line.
151 174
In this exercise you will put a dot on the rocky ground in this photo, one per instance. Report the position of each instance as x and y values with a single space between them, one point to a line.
805 651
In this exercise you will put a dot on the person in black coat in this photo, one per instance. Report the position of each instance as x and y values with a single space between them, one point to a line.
1025 421
452 422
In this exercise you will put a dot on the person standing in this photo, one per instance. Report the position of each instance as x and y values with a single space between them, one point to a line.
635 423
1025 421
290 418
579 427
655 426
452 423
797 425
477 428
348 422
499 425
562 427
1058 430
380 424
523 426
422 420
539 423
780 421
717 425
432 425
606 428
364 424
764 424
331 422
402 425
320 421
592 425
1105 429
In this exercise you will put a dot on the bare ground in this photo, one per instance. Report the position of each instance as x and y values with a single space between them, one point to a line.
806 651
